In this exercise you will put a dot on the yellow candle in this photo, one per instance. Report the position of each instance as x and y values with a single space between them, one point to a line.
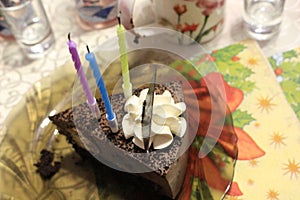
124 60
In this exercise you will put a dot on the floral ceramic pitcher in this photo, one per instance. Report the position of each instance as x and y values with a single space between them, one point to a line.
202 20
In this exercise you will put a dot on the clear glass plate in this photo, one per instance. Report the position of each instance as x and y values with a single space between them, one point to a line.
28 131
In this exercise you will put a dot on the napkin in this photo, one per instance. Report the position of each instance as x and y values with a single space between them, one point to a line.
268 165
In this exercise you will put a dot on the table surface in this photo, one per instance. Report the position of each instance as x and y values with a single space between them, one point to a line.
18 74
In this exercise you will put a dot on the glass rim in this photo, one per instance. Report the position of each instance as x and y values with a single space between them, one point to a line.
9 8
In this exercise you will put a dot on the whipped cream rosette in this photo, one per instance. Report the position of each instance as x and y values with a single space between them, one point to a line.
166 119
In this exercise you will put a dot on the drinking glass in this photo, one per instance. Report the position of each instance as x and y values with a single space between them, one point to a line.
28 22
4 32
262 18
96 14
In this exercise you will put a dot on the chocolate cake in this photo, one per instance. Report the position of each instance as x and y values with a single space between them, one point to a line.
92 138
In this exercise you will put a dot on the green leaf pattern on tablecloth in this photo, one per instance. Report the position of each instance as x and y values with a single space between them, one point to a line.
234 72
287 70
242 118
226 61
228 52
290 54
236 75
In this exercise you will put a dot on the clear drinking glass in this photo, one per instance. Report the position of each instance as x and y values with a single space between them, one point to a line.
262 18
28 22
96 14
4 32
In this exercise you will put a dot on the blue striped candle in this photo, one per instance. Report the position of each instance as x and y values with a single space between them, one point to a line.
110 115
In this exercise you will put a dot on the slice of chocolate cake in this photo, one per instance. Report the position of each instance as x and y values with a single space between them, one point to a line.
165 167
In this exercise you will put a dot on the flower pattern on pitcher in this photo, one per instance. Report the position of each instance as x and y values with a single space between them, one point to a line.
208 7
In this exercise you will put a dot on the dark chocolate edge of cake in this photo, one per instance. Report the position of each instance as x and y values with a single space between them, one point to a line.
139 181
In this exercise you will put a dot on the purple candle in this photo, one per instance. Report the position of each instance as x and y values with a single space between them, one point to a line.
85 85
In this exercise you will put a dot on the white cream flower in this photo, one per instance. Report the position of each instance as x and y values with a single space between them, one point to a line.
165 119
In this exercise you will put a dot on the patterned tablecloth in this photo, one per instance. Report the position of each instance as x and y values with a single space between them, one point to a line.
266 121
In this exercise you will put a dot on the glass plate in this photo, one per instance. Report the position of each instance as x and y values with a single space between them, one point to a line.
28 131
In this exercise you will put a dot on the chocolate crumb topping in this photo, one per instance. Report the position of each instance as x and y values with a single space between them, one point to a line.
46 167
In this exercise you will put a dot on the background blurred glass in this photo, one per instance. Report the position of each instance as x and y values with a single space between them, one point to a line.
28 22
96 14
262 18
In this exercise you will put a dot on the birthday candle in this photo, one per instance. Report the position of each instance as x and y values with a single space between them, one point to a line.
124 60
90 57
84 83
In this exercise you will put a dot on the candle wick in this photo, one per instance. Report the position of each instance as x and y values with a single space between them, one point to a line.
69 36
119 18
143 111
88 49
131 22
